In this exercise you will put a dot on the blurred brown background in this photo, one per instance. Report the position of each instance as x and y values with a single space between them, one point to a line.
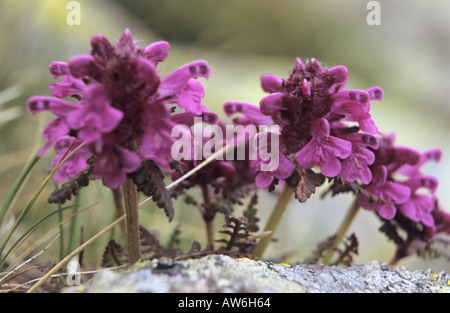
407 55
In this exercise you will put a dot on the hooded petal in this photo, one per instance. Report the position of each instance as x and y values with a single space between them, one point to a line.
251 111
58 69
272 103
338 77
354 95
271 83
58 107
157 51
376 93
81 66
175 81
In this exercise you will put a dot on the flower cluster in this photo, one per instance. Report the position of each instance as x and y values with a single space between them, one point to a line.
400 185
115 108
321 124
121 107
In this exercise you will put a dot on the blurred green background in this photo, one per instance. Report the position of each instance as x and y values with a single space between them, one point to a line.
407 55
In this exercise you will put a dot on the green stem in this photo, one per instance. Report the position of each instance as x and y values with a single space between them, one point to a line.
343 229
208 217
132 219
61 232
118 203
16 186
275 217
73 223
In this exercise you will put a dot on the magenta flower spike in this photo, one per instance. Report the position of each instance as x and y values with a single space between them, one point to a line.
316 117
123 109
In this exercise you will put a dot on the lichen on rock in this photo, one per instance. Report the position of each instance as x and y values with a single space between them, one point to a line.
220 274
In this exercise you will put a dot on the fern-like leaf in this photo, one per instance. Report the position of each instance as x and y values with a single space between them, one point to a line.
305 182
71 187
149 179
114 255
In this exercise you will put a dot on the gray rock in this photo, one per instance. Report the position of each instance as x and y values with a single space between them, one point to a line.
219 274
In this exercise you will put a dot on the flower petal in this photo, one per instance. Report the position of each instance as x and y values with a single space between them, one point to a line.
376 93
251 111
397 192
338 76
310 155
330 166
271 83
357 95
263 179
337 147
157 51
58 69
190 97
272 103
58 107
81 65
175 81
387 211
54 130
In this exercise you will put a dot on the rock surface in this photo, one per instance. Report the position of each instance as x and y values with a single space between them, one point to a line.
218 274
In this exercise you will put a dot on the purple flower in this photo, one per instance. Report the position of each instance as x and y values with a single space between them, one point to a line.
124 108
266 168
357 164
429 155
355 106
314 93
323 150
75 163
251 113
400 183
263 179
96 117
316 119
69 85
113 163
418 208
389 192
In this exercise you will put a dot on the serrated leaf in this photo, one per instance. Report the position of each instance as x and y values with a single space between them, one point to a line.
149 179
305 182
250 213
71 187
114 255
